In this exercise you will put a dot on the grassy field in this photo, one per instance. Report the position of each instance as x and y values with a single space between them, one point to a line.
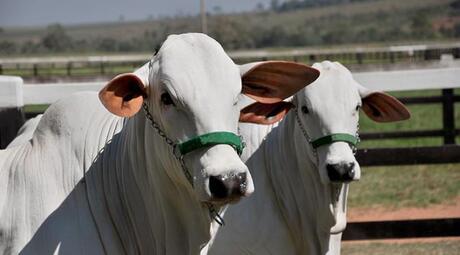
405 186
137 28
382 22
423 117
388 248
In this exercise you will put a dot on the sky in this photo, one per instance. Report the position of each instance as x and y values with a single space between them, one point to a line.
14 13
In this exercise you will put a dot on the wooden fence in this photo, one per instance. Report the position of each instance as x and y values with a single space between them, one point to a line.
90 66
446 79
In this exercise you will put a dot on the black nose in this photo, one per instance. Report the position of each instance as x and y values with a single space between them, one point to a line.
228 186
342 172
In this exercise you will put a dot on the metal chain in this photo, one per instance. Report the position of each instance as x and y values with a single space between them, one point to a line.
212 211
355 148
304 132
170 142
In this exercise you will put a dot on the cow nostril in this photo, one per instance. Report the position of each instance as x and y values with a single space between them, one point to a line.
217 187
333 172
240 185
342 172
350 170
231 185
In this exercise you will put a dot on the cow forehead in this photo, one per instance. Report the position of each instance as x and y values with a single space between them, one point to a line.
199 62
332 101
335 86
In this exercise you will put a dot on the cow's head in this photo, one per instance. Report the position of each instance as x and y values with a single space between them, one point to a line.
331 106
191 88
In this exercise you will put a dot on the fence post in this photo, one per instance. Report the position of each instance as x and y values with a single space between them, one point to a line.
448 116
102 67
11 113
1 69
69 68
359 57
35 69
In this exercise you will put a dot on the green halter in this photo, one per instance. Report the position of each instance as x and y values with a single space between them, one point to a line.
211 139
352 140
338 137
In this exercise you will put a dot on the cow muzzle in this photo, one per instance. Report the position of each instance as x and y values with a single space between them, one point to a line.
341 172
229 187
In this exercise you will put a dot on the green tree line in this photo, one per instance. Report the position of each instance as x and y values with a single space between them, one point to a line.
263 29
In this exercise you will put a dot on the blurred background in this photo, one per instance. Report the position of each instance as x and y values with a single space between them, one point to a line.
417 177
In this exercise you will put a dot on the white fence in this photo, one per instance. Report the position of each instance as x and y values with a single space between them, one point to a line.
12 88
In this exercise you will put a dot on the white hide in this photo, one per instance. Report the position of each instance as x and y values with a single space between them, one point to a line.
295 209
134 198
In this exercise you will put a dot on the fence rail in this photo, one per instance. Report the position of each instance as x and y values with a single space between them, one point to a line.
445 79
107 65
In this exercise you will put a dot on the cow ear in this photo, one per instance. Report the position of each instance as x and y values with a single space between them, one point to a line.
381 107
123 95
272 81
265 114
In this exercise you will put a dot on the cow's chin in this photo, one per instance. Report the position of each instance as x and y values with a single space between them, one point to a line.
223 202
338 206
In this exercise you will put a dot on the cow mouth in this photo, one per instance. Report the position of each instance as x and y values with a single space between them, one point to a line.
223 201
339 206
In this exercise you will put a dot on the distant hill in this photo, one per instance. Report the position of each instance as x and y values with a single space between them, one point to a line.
338 22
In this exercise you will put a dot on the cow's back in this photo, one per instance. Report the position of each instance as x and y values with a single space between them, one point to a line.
37 176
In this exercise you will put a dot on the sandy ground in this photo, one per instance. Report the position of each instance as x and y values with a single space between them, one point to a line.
451 210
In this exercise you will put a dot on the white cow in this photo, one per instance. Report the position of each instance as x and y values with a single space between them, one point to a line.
135 182
299 204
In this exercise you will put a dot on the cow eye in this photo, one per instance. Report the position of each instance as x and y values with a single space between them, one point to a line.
166 99
304 109
358 107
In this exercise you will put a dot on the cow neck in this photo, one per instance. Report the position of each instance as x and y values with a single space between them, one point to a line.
305 199
151 212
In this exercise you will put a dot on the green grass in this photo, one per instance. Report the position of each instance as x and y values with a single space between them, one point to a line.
423 117
378 248
35 108
405 186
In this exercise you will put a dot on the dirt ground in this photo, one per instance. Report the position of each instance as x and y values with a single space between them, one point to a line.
451 210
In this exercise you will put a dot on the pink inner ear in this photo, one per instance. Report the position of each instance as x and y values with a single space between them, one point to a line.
382 107
272 81
265 114
123 95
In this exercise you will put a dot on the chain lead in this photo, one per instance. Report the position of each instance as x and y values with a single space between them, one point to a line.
305 134
170 142
175 149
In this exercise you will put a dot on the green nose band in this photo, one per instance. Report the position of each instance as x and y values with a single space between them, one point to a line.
339 137
211 139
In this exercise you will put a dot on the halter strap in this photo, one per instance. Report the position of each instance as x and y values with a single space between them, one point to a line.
338 137
211 139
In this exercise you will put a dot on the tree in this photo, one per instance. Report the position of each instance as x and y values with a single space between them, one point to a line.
7 48
421 26
56 39
274 5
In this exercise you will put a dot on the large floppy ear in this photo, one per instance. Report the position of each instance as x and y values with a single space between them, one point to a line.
123 95
272 81
381 107
265 114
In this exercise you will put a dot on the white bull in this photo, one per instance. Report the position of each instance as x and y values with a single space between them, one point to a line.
299 204
91 182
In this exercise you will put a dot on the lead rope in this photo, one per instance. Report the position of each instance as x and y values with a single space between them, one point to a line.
176 152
